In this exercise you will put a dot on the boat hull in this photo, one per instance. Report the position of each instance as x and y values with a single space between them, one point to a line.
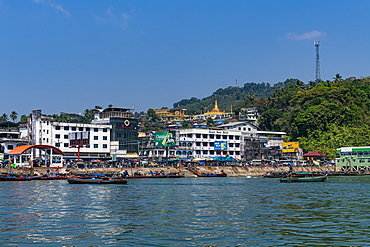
303 179
96 181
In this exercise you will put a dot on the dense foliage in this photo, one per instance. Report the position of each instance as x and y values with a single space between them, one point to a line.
322 117
237 97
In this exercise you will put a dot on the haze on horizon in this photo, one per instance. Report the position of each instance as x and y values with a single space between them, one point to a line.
68 56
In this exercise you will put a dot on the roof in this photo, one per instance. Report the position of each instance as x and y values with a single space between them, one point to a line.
24 148
313 153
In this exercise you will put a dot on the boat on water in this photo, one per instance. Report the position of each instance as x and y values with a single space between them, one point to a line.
290 179
19 177
201 174
275 175
99 180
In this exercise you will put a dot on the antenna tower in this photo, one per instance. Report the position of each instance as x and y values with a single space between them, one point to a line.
318 76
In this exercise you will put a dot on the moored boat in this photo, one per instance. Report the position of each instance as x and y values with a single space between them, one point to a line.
102 180
201 174
303 179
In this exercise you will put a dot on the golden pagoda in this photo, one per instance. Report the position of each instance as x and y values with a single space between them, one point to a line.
215 110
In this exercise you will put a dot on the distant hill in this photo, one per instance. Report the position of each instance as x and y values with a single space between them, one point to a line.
235 97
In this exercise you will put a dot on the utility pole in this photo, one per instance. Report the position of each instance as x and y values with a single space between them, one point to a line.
318 76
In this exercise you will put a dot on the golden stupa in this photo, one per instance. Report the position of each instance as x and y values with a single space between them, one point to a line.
215 110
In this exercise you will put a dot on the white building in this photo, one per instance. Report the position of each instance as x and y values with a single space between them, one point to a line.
42 130
209 143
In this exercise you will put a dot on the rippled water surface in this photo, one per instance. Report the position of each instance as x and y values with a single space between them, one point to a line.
186 212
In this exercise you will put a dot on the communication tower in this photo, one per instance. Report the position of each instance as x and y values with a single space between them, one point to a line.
318 76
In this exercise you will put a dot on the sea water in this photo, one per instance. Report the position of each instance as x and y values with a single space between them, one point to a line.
186 212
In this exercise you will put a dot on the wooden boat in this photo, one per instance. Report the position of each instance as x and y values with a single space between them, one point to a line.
275 175
303 179
100 180
157 176
19 177
200 174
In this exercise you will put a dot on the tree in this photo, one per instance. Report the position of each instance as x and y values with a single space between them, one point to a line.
4 117
152 114
13 115
185 124
210 121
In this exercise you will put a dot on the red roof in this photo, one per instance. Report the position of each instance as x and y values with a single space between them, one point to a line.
313 153
22 149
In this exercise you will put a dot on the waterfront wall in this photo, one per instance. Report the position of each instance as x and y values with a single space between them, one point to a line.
231 171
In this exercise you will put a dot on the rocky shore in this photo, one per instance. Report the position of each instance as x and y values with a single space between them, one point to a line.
231 171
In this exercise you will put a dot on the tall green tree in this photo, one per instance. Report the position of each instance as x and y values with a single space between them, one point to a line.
13 115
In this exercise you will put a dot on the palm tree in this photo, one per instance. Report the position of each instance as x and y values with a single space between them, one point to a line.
13 115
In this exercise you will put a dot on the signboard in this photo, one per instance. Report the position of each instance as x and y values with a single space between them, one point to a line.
290 147
220 145
79 138
164 139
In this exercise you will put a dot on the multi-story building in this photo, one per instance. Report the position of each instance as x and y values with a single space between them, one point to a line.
124 131
42 130
204 143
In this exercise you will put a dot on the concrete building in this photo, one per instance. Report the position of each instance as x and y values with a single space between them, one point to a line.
42 130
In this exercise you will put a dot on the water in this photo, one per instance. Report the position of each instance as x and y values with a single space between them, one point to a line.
186 212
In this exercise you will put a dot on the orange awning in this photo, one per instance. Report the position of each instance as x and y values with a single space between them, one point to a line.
24 148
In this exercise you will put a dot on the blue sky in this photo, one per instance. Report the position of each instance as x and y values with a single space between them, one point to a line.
68 56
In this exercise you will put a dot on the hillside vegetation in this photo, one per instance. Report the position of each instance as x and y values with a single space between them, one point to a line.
322 117
236 97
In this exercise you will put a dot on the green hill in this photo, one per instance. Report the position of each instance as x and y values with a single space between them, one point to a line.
235 97
322 117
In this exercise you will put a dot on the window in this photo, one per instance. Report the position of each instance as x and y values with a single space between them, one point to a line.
96 146
65 145
211 152
74 128
205 144
237 137
211 144
197 152
105 146
362 161
231 145
96 138
197 135
212 136
66 128
237 152
105 138
105 130
57 127
57 136
231 137
87 129
218 136
224 137
205 152
96 129
205 135
237 145
197 144
80 128
10 147
65 136
57 144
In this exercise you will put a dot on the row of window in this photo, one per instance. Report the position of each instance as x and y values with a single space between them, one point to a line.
79 128
57 136
212 136
212 144
66 145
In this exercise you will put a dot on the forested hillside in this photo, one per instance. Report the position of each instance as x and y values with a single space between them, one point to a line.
237 97
322 117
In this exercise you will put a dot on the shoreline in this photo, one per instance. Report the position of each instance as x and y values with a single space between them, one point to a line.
231 171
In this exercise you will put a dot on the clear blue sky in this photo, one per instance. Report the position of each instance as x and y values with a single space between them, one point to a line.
68 56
